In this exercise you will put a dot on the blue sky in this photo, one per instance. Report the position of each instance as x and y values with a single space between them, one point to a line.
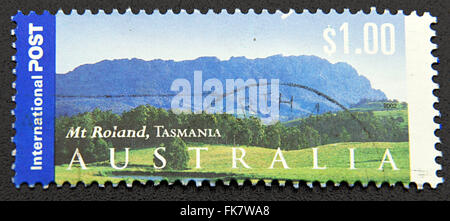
85 39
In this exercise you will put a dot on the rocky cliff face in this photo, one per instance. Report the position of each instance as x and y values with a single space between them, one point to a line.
339 81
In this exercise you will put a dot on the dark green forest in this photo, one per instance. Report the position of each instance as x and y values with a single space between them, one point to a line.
312 131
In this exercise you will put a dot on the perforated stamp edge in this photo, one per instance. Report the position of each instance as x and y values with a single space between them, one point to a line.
423 163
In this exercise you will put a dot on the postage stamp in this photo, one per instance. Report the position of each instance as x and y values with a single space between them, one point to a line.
295 96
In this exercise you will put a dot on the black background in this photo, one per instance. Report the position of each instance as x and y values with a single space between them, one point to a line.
248 192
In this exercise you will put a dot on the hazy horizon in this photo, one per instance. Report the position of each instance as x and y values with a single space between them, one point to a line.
88 39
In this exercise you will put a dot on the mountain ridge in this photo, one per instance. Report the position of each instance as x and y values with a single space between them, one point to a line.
136 76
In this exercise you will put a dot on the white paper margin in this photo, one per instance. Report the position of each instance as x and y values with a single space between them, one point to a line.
421 112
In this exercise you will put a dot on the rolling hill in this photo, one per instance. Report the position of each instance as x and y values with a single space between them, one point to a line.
217 160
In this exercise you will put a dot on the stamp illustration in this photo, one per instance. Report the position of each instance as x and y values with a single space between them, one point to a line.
285 96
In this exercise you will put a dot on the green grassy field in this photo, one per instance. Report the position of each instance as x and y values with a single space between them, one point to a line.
395 114
379 111
218 159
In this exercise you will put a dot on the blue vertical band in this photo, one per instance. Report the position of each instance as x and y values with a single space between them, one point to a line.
35 100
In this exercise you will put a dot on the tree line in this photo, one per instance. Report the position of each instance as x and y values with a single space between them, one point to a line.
250 131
